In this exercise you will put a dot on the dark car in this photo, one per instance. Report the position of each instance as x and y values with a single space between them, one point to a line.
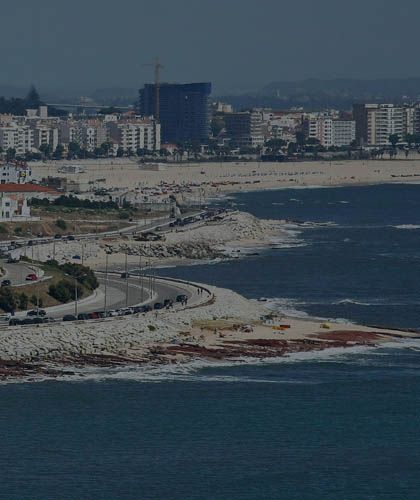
57 236
168 303
125 275
6 283
76 257
158 305
10 260
83 316
69 317
70 237
34 312
15 321
181 298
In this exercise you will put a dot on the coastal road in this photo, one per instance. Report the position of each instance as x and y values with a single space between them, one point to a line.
18 271
117 297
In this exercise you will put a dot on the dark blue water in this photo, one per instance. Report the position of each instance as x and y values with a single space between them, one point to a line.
326 427
364 267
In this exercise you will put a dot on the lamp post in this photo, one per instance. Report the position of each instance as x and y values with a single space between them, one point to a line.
106 282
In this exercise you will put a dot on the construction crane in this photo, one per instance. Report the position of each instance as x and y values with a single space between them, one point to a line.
158 67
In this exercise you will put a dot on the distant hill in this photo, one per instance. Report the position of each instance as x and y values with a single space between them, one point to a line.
337 93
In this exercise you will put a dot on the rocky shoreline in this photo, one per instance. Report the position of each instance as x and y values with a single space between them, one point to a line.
229 327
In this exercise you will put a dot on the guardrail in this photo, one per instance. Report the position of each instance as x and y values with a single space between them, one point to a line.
210 298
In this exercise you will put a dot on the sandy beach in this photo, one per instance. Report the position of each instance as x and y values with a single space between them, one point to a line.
206 179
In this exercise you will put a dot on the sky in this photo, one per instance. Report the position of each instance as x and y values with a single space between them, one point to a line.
88 44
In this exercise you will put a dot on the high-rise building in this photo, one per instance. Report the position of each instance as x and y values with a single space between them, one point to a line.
376 122
184 110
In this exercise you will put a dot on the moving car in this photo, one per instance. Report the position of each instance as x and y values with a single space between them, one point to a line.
31 277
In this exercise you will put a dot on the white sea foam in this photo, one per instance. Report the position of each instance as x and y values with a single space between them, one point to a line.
407 226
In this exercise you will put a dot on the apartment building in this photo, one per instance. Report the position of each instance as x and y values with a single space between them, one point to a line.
376 122
332 132
17 137
45 135
15 173
132 135
245 128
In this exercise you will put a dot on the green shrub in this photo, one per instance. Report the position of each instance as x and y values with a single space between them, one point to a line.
8 300
60 223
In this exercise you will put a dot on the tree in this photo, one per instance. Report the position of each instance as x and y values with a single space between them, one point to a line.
74 149
393 139
58 153
46 150
23 301
300 138
32 100
10 154
61 224
8 300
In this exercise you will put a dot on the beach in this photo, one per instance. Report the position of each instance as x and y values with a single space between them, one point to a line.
209 179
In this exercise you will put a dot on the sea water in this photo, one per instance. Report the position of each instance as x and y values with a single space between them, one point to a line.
327 426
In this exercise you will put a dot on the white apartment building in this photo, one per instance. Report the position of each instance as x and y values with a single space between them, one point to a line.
44 134
93 136
383 121
18 137
376 122
15 173
136 134
332 133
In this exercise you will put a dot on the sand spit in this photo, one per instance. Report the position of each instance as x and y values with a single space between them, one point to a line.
226 327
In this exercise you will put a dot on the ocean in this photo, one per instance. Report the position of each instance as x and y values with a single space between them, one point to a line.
328 426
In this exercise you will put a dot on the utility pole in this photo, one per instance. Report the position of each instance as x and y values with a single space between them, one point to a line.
141 284
106 280
75 297
126 280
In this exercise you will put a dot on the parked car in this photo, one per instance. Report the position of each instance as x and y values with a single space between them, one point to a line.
158 305
14 321
147 308
83 316
69 317
76 257
57 236
181 298
70 237
34 312
31 277
125 275
6 283
11 260
168 303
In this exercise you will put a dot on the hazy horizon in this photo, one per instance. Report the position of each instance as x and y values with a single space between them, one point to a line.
100 44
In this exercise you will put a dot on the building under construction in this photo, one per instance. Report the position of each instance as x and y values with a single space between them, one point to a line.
182 109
